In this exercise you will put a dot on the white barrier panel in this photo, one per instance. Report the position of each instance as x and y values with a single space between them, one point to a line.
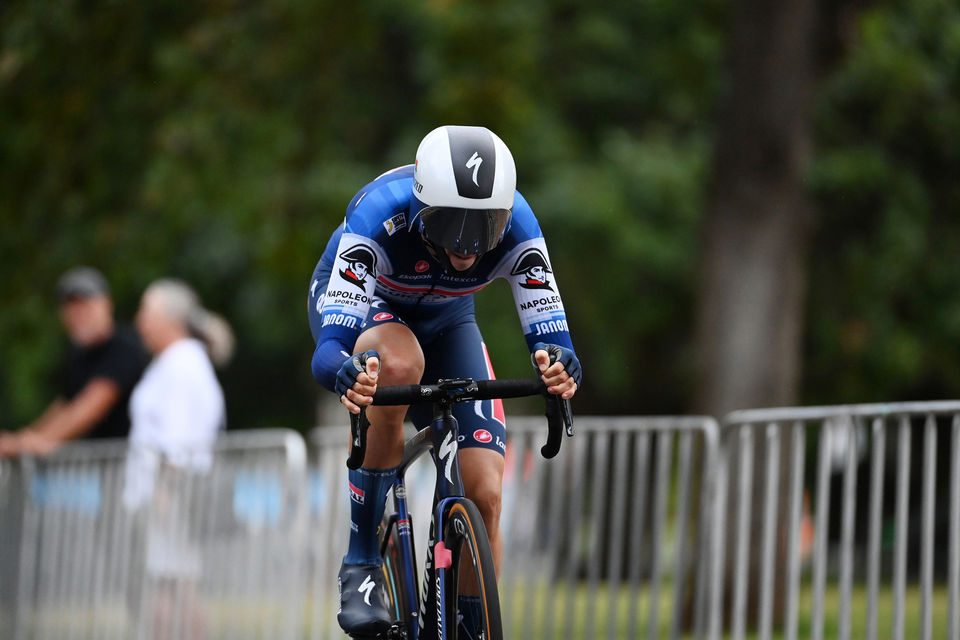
198 551
11 511
607 540
834 525
842 522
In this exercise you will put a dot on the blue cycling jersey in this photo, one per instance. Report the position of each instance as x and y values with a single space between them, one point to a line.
377 254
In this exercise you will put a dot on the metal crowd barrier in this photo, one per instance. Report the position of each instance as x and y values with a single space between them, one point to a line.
850 534
809 522
610 539
205 549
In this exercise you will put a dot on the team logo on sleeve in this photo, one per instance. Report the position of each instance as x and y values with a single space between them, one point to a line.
533 268
361 262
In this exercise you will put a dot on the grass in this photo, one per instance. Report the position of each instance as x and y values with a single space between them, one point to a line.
558 610
544 610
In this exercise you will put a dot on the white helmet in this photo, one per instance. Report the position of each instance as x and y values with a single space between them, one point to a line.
463 189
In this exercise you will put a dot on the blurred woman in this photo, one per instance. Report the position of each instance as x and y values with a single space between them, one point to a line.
176 411
177 408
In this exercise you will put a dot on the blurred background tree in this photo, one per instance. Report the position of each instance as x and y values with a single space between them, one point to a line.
220 142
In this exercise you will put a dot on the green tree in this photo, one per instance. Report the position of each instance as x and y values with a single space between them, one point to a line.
884 307
220 142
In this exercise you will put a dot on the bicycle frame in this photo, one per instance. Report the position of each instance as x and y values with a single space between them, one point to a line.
440 439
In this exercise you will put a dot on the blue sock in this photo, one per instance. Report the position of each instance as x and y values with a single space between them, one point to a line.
368 496
471 614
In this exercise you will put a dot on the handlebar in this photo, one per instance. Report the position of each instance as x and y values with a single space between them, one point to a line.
460 390
558 413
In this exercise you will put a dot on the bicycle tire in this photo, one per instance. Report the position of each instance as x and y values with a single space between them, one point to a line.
395 571
465 533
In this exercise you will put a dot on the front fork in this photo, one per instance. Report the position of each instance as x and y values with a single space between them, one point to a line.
401 520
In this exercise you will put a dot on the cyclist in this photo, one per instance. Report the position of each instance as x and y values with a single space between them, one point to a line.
390 302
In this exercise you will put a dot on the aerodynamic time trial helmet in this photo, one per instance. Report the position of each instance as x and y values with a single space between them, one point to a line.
463 189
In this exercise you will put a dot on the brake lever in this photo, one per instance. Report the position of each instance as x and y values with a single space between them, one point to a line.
558 413
566 413
358 434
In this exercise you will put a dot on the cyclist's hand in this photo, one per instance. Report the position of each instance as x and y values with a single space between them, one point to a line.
357 380
563 376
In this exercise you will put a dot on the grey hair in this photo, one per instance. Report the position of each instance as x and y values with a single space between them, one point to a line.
181 304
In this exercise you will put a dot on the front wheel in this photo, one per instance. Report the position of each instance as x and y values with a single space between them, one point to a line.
473 574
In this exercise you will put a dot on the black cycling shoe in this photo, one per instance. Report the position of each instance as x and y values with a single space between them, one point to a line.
363 612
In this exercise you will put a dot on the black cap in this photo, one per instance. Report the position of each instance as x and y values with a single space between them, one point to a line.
82 282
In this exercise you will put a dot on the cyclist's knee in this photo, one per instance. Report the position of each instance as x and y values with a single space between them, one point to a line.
401 358
400 367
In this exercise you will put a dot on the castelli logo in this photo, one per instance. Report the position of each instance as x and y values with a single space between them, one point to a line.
482 435
383 315
421 266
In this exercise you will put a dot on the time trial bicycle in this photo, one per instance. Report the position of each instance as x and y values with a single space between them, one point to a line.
459 557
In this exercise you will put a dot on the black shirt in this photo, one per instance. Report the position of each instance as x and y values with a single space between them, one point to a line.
121 359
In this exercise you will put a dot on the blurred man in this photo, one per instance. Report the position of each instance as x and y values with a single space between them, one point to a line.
104 363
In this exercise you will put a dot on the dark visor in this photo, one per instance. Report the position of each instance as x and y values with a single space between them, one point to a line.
467 231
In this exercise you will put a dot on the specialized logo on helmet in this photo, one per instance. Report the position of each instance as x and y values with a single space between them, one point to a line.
361 262
469 148
474 163
533 267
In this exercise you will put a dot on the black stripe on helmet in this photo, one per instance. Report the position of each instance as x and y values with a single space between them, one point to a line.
474 160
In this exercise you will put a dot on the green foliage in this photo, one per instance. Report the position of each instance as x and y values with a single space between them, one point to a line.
221 141
884 308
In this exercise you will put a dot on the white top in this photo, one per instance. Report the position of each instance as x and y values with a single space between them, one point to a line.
176 411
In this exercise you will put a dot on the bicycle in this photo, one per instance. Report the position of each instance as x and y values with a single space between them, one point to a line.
454 515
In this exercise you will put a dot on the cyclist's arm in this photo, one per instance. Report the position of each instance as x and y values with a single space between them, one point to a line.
540 309
526 266
341 310
537 296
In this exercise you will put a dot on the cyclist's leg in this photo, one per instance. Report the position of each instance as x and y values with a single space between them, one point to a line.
401 363
482 472
362 610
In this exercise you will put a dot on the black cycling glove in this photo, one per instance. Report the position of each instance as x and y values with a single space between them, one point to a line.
563 355
350 369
